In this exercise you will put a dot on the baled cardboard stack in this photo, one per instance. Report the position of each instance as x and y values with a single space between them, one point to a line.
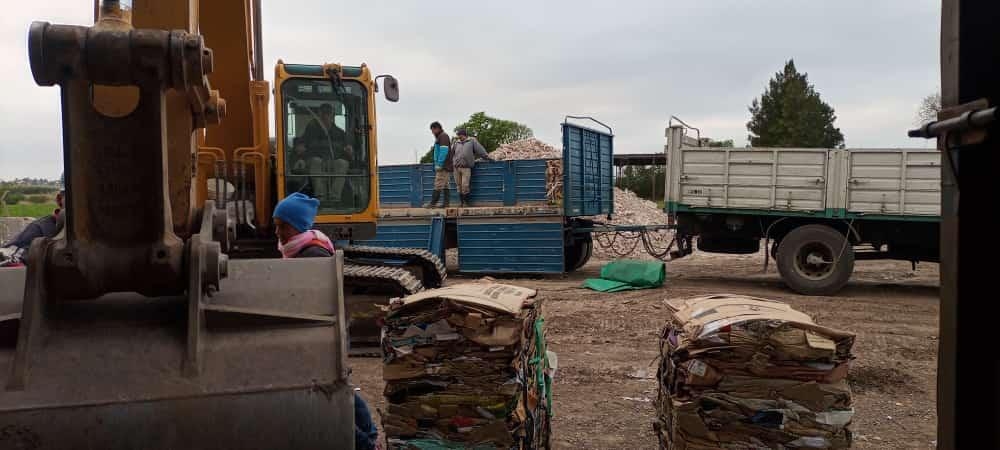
466 367
739 372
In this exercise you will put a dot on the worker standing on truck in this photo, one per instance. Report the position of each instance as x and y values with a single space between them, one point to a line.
466 150
293 221
443 164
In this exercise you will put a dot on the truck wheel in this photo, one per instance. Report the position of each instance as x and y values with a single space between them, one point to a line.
577 255
813 260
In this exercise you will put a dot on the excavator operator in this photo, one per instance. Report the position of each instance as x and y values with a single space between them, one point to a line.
324 137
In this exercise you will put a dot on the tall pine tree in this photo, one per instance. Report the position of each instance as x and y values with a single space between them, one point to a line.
791 114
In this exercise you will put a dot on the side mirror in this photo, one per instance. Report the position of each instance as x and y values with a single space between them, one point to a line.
391 86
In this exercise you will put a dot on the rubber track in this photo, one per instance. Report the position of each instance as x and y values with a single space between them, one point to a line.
433 268
407 283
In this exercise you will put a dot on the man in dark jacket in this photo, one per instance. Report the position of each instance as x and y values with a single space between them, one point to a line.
443 164
47 226
466 150
330 153
293 221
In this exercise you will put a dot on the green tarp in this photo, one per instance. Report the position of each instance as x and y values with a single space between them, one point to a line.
628 274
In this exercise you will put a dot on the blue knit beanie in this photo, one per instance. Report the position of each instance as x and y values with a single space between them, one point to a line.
298 210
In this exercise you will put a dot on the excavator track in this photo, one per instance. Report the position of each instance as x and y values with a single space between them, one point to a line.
365 287
373 276
432 269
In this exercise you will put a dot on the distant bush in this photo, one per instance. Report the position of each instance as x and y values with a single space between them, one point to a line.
28 190
14 198
38 199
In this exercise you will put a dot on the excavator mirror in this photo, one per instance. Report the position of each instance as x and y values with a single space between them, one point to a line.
391 85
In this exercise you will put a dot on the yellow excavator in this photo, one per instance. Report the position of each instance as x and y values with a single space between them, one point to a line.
335 162
159 317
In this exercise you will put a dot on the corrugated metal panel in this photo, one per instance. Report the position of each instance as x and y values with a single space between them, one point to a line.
395 185
502 245
496 183
425 233
587 176
792 179
530 180
904 182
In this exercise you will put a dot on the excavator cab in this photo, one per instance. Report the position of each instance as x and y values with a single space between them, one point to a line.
326 145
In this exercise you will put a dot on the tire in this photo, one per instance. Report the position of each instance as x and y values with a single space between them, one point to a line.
814 260
577 255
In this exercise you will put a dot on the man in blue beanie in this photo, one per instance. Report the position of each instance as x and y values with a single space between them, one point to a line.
293 221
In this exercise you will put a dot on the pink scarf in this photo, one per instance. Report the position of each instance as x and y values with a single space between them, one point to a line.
300 241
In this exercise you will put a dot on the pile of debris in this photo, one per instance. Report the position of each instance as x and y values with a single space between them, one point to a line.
466 367
529 148
744 372
532 148
630 209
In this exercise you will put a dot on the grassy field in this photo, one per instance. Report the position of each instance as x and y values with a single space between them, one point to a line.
29 209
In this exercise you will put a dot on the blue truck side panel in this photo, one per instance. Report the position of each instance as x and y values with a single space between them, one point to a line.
494 183
510 245
426 233
588 183
534 243
395 185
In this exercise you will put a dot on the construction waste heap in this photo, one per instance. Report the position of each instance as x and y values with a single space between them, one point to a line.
744 372
466 368
629 208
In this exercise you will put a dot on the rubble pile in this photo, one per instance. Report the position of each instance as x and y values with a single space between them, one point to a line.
466 367
529 148
744 372
631 209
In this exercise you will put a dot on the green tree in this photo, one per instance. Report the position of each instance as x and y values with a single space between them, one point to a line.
490 131
645 181
791 114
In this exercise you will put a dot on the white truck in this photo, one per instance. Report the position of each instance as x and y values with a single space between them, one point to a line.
818 210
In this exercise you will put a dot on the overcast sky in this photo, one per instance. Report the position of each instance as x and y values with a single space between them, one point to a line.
632 64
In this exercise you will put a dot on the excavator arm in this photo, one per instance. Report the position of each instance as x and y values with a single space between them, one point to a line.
135 330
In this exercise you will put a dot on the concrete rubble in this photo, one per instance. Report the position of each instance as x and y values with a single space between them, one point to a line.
630 209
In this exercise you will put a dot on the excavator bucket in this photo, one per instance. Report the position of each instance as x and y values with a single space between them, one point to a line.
116 372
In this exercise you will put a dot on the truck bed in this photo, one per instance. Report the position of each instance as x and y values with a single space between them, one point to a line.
833 183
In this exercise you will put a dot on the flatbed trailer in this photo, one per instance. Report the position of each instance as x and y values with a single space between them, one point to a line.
515 225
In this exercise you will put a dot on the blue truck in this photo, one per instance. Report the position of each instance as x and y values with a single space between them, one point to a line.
516 225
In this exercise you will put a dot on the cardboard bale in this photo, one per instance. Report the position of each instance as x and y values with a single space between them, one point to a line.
742 372
466 367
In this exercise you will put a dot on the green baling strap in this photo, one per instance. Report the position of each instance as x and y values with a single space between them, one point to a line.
541 362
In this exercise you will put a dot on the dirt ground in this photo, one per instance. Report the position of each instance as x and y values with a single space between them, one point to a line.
607 347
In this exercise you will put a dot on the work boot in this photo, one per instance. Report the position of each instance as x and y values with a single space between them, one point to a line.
434 199
447 197
461 198
468 202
